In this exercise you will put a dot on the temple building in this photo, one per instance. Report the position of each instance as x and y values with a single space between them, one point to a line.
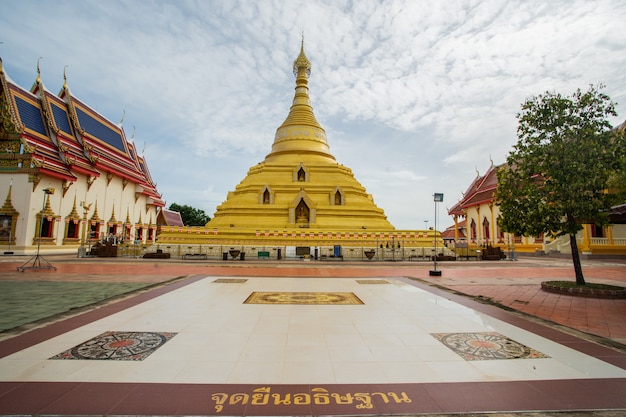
70 178
476 226
299 201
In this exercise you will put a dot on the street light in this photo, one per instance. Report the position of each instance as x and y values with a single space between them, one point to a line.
36 260
438 198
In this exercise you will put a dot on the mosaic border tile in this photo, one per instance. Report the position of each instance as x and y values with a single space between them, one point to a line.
486 346
230 281
307 298
118 346
372 281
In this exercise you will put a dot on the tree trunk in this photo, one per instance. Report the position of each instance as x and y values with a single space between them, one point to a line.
578 269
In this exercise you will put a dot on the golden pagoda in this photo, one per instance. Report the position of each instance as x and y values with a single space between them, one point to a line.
299 196
300 184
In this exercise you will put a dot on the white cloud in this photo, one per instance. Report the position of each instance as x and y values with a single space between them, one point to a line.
414 95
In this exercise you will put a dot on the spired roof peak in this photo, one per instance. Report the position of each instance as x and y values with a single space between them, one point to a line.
300 133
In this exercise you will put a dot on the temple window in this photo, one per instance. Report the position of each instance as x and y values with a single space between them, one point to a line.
337 198
71 231
597 231
266 196
301 175
94 230
46 227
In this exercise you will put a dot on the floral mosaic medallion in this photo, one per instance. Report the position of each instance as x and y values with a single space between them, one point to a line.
486 346
118 346
372 281
230 281
341 298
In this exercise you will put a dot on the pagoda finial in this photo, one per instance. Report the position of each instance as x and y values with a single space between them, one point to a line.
300 132
302 62
38 71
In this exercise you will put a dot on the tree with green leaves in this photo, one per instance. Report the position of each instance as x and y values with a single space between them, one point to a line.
557 176
191 216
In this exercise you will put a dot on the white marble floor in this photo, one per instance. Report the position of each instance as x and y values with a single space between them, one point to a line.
219 339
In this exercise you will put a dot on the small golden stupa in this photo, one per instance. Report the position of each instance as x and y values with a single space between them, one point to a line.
299 195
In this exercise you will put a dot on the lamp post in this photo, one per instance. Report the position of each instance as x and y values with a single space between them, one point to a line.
36 260
438 198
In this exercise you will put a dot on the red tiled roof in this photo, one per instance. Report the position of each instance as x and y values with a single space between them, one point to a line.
70 138
481 190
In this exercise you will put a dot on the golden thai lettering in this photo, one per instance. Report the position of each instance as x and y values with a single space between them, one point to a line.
342 399
279 401
403 399
302 398
382 396
261 396
220 399
239 398
365 399
318 395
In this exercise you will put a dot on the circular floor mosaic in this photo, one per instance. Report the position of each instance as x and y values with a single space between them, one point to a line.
486 346
129 346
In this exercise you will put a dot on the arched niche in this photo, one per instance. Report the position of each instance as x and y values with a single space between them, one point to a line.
302 210
266 195
301 173
337 197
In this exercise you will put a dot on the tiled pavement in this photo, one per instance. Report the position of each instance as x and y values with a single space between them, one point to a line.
511 284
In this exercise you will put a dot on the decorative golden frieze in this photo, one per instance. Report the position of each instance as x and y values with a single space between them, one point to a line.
35 178
28 148
9 122
66 186
90 181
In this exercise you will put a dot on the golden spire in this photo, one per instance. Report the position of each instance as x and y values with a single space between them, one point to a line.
113 219
301 132
8 208
65 77
74 213
302 62
94 216
38 71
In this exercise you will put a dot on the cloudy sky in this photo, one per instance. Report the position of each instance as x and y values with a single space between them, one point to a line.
415 96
